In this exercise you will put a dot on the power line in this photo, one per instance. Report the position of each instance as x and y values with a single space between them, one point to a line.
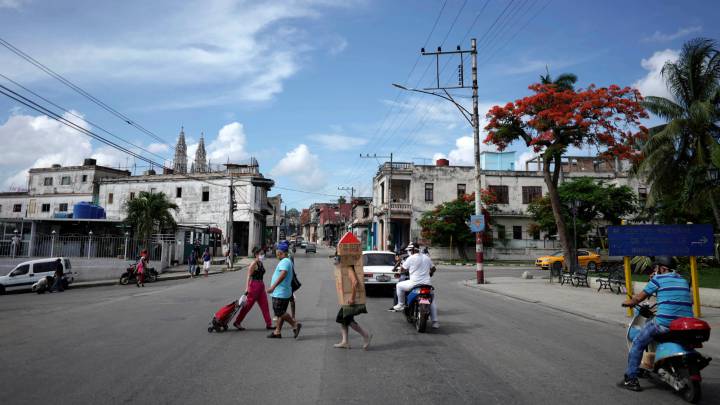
307 192
76 88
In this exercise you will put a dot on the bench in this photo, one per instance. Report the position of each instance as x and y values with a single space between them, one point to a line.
580 277
615 281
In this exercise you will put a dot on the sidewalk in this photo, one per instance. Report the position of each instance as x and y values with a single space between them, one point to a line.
171 273
585 302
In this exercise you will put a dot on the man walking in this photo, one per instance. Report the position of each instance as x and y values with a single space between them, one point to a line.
281 292
59 270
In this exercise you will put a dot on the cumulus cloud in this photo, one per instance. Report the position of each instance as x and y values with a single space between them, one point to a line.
658 36
338 141
12 3
158 148
229 145
524 157
653 83
463 154
301 166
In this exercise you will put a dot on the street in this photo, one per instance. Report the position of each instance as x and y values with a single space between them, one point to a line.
151 346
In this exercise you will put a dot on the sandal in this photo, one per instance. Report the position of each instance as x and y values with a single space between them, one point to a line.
274 336
367 342
296 331
342 345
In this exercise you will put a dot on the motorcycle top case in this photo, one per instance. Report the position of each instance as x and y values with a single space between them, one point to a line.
689 330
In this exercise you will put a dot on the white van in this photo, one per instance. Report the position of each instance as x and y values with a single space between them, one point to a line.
25 274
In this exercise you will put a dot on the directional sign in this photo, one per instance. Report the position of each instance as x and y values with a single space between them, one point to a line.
477 223
656 240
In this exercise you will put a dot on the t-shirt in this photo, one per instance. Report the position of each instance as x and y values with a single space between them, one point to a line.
673 297
419 268
206 257
284 289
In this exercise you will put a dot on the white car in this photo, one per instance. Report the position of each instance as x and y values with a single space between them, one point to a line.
25 274
378 268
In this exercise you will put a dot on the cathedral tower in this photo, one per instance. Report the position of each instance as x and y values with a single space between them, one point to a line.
180 160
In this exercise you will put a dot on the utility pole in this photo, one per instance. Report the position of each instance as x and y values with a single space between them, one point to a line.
388 208
232 206
352 196
472 117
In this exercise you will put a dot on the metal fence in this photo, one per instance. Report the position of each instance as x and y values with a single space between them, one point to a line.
118 247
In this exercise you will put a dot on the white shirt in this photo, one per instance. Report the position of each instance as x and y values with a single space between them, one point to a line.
419 268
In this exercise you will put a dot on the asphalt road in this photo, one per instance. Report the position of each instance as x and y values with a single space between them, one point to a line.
151 346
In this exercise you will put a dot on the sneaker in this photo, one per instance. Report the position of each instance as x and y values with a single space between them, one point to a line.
238 327
399 307
274 336
435 325
391 309
631 384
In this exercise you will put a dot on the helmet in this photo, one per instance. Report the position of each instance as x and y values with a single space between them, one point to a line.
666 261
411 248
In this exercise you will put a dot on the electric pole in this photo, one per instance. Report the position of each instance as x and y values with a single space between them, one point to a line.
388 208
231 209
352 196
472 117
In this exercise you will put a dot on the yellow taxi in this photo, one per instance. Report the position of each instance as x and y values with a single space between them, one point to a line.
587 259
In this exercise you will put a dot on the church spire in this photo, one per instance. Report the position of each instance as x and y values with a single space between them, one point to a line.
180 160
200 165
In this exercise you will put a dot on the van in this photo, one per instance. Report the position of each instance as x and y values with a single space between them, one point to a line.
25 274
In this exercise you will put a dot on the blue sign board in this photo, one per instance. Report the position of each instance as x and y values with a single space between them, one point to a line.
657 240
477 223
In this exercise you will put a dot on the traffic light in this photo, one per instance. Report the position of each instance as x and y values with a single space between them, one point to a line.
234 205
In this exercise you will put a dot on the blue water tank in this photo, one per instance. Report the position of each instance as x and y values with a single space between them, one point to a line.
83 210
100 213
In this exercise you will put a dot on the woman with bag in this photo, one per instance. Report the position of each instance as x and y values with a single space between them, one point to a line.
255 291
140 269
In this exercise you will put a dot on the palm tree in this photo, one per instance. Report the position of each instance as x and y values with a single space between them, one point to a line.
677 154
566 81
149 213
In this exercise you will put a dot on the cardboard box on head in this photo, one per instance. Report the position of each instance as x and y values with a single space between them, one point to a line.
350 254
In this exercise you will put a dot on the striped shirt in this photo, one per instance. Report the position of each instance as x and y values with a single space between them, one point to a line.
673 297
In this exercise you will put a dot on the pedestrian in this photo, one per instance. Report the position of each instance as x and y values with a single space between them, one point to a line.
58 284
140 269
206 258
192 262
228 262
255 291
346 316
281 291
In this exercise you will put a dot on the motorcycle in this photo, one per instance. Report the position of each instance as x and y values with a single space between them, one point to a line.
417 309
130 275
672 359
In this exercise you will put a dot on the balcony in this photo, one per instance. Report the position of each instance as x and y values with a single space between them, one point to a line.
397 208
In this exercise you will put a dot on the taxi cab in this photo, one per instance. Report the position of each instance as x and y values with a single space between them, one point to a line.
587 259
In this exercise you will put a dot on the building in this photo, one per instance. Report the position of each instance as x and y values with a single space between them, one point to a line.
362 222
416 189
497 160
274 220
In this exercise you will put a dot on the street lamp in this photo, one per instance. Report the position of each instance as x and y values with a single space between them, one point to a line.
127 234
52 244
90 234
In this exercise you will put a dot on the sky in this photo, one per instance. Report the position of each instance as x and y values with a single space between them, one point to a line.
305 86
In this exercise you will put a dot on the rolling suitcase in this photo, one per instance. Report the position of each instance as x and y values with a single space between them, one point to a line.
222 317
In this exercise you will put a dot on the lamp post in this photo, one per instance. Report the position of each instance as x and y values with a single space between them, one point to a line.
15 243
126 245
89 243
52 243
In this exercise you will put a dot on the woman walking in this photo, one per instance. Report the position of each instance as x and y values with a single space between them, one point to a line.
206 261
346 316
255 291
140 269
192 262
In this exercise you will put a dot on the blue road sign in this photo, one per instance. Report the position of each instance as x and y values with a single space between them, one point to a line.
477 223
656 240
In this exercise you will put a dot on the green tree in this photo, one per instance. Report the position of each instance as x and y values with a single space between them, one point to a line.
678 153
149 213
595 200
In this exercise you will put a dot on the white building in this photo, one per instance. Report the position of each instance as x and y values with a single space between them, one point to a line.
420 188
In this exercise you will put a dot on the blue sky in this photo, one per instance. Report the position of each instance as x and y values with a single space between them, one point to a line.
305 85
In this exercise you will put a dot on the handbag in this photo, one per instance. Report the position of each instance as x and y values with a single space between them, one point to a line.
295 283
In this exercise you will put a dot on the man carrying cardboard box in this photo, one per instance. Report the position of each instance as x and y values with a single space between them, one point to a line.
351 293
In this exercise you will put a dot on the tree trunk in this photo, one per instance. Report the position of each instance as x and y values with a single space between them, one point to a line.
715 209
551 180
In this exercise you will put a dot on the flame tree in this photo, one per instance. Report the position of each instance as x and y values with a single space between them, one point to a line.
556 117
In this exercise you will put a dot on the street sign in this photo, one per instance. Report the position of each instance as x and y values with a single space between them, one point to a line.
477 223
657 240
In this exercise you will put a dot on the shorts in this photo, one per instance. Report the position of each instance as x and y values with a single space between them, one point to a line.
206 265
280 306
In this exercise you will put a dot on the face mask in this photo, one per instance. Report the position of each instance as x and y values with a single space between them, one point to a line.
262 257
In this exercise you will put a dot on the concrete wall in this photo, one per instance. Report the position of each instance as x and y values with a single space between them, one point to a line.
7 203
529 254
87 269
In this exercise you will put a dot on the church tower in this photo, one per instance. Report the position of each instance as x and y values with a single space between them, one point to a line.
180 160
200 165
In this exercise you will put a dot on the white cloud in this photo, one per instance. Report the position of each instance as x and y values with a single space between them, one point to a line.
12 3
337 45
338 142
301 166
158 148
524 157
658 36
229 145
653 83
464 152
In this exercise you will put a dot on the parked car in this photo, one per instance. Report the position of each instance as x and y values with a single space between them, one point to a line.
303 244
310 247
587 259
25 274
378 268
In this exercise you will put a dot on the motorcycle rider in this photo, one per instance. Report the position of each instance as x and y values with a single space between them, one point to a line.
419 267
674 300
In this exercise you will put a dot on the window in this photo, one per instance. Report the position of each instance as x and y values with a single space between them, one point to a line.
47 181
110 198
84 178
429 191
178 192
45 208
63 207
517 232
382 193
0 207
44 267
531 193
366 212
583 253
65 181
17 207
20 270
206 193
153 190
460 190
501 232
501 194
132 196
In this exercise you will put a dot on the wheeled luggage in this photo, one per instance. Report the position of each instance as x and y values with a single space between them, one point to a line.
222 317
